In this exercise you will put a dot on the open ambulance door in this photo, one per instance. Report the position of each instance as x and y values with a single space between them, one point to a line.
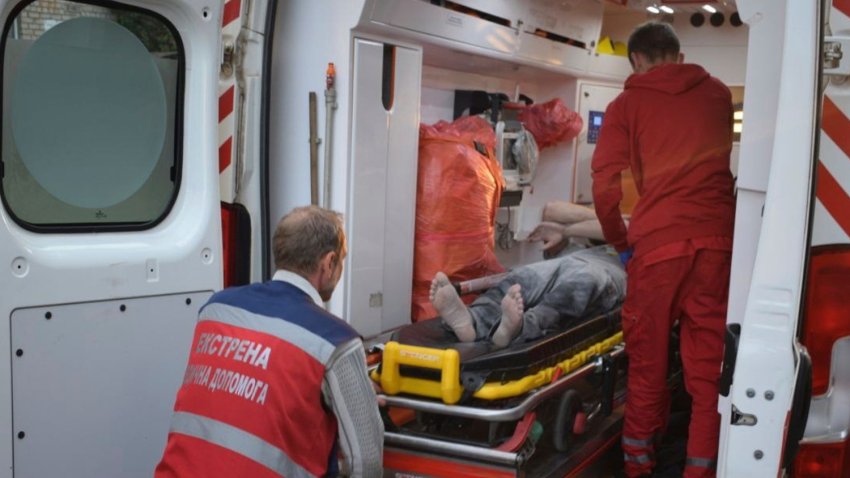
825 446
110 225
243 138
766 383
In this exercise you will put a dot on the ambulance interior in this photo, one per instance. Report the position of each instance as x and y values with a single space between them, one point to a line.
420 57
418 62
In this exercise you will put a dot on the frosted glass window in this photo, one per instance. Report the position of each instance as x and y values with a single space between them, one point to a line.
91 99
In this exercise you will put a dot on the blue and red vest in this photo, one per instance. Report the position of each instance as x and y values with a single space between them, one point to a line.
251 400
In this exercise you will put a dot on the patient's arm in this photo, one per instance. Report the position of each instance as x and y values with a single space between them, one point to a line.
562 220
590 229
564 212
554 236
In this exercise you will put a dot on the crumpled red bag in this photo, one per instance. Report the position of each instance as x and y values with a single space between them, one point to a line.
551 122
458 192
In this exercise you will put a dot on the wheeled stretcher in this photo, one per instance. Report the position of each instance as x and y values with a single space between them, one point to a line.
541 408
425 360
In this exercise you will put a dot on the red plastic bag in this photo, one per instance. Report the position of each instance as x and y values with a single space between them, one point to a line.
551 122
457 194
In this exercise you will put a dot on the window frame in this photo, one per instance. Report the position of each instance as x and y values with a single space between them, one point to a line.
176 168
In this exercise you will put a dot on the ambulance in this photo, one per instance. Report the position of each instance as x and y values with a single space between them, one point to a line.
148 148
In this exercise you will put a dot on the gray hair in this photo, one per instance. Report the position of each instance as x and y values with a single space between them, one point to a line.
304 236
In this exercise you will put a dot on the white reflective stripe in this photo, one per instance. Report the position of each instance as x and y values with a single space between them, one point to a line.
237 441
647 443
701 462
640 459
318 348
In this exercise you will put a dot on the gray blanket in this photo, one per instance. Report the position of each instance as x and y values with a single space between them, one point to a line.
556 293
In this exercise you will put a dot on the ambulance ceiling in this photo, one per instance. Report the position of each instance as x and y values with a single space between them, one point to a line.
678 6
452 59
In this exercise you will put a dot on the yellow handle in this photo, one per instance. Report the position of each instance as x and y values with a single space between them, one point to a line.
447 361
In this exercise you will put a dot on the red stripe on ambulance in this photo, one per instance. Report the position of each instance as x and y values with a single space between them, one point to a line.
835 125
842 5
225 152
230 27
833 198
231 11
829 191
225 104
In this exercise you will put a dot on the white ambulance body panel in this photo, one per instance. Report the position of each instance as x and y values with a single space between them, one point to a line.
91 385
103 318
382 182
592 101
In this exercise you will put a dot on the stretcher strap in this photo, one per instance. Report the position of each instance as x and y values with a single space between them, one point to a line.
498 390
449 389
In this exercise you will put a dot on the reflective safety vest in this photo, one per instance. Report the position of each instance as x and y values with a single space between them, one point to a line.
251 400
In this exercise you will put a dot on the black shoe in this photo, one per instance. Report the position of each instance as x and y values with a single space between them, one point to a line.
622 474
668 471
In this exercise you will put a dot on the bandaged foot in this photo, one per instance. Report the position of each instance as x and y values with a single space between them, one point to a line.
444 298
511 324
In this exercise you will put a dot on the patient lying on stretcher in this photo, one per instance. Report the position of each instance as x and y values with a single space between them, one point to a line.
538 298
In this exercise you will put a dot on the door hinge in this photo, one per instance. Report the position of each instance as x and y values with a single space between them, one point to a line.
834 50
228 59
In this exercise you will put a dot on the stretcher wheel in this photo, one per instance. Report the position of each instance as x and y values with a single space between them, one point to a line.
568 407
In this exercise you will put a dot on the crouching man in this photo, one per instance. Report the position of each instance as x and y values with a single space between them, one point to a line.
275 385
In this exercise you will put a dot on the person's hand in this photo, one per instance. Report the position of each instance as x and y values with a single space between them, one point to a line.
552 236
625 256
378 391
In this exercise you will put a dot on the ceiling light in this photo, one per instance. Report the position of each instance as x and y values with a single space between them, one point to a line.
709 9
653 9
666 9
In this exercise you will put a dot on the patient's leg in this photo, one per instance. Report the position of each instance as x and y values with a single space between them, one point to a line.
586 283
444 298
511 324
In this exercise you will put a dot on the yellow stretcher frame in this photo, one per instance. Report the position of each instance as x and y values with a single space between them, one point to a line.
449 389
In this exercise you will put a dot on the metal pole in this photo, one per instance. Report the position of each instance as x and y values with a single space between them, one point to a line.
330 107
314 150
455 449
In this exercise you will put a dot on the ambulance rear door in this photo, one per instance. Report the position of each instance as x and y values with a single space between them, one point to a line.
110 236
765 386
825 331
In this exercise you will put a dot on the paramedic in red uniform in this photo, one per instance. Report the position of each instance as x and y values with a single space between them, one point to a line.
276 386
672 125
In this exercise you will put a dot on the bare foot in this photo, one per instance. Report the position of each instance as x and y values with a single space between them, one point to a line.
511 324
439 280
444 298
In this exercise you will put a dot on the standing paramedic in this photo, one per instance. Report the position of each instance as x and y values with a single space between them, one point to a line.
276 386
672 125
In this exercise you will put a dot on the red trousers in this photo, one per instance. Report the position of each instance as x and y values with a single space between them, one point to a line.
687 282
